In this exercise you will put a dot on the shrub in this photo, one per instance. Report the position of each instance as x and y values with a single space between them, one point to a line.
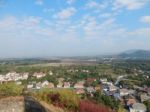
88 106
64 99
10 89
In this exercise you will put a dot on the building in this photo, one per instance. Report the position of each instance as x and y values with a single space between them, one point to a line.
79 85
50 85
130 102
39 75
60 85
45 83
124 92
90 89
112 88
144 97
79 91
66 84
138 107
38 85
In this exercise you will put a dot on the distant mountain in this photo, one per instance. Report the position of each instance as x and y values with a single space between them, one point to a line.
135 54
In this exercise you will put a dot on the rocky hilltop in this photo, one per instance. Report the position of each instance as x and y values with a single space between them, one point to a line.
25 104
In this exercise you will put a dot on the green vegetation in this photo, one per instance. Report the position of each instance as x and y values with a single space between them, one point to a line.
63 98
10 89
147 103
107 100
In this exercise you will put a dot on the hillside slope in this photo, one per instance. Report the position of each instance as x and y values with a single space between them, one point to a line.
25 104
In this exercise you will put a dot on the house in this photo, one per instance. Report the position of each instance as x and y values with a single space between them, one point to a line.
138 107
103 80
130 102
144 97
39 75
148 91
79 91
45 83
124 92
79 85
29 86
66 84
116 96
25 76
50 73
90 89
132 92
60 85
112 88
85 71
38 85
50 85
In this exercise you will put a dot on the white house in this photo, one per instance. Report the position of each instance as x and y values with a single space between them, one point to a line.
138 107
124 92
112 88
45 83
39 75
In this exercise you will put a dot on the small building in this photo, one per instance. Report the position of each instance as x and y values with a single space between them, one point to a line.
112 88
130 102
50 85
38 85
50 73
144 97
103 80
124 92
79 85
90 89
138 107
79 91
60 85
39 75
29 86
66 84
45 83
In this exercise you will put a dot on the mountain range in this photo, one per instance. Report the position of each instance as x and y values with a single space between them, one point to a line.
135 54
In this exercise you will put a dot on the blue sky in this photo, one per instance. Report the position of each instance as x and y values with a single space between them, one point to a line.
44 28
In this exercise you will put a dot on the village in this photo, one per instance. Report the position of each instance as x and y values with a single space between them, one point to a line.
131 99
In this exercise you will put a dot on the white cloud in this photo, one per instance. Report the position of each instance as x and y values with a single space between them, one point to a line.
31 36
70 2
39 2
145 19
48 10
96 5
65 13
129 4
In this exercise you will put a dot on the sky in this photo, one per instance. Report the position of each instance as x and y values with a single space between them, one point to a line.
44 28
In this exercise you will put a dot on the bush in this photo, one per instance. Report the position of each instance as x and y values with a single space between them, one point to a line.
10 89
106 100
64 98
88 106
